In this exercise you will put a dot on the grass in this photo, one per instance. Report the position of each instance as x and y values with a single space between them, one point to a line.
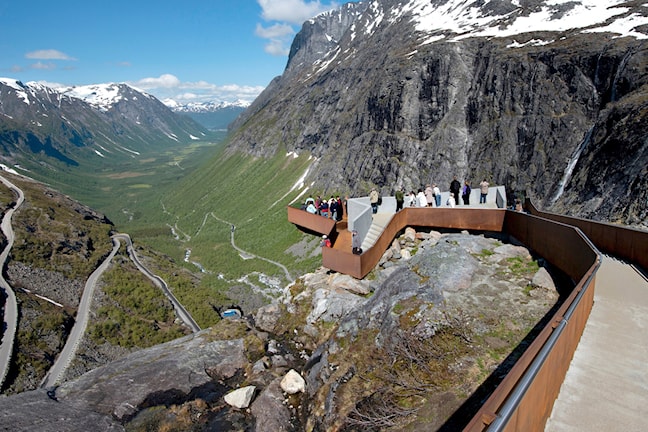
521 267
182 199
137 314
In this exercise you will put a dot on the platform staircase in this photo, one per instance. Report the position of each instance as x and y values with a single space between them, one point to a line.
378 224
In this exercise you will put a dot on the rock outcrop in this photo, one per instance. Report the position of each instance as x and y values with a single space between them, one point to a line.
430 331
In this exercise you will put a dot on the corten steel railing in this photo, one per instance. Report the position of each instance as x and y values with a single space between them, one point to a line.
524 399
311 222
627 243
359 266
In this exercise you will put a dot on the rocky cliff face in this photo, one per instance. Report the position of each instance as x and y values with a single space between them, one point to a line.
394 94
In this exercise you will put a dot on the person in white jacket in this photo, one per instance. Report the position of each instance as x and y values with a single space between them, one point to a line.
422 201
451 200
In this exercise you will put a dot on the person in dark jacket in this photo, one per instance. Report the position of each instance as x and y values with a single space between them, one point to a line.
455 186
465 193
400 199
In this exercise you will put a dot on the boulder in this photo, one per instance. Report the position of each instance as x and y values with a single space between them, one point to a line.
350 284
267 316
543 280
269 410
331 304
410 235
240 398
511 251
293 383
168 371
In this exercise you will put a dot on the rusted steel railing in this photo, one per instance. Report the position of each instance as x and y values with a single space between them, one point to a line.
359 266
623 242
311 222
524 399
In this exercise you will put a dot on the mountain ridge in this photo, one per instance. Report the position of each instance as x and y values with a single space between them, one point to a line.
85 124
87 117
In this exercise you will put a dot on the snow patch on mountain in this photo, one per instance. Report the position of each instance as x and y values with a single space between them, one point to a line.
200 107
467 18
19 87
100 96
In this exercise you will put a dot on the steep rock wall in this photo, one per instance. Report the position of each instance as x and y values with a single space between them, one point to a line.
562 122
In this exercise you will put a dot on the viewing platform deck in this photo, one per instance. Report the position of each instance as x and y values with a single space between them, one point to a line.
606 385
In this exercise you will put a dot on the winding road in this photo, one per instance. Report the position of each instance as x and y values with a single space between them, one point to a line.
10 316
79 327
247 255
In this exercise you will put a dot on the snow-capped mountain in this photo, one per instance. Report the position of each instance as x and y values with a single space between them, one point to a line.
85 125
212 115
201 107
332 36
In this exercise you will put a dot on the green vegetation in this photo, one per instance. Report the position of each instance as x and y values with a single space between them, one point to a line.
522 267
156 200
38 341
178 201
137 313
485 253
234 189
198 298
55 234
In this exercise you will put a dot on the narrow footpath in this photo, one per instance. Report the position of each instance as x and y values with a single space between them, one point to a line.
606 386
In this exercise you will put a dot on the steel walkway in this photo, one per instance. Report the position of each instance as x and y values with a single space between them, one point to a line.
606 386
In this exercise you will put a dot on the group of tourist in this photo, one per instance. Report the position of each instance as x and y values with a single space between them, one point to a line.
430 196
332 208
456 189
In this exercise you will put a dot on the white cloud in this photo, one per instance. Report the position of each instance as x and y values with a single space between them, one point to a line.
274 31
282 14
49 54
292 11
277 47
168 86
163 81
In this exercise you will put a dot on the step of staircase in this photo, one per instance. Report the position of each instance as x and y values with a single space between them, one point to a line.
379 222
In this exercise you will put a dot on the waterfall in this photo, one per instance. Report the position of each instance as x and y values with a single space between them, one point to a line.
571 165
622 65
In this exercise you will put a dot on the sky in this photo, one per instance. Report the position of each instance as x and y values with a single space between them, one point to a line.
189 51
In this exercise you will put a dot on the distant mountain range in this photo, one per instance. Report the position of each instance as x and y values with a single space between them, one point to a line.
212 115
88 126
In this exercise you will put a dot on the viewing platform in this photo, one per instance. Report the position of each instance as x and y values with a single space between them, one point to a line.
605 387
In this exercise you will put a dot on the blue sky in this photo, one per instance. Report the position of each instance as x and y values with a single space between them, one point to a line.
186 50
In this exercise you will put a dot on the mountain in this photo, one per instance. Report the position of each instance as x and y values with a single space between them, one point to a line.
87 127
548 98
212 115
